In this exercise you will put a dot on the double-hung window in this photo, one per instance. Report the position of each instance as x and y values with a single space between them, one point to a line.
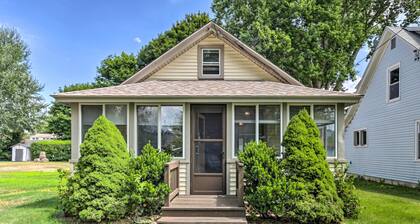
117 113
325 118
162 127
257 123
394 83
417 140
211 62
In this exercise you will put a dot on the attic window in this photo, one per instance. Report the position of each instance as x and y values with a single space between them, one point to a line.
210 62
393 43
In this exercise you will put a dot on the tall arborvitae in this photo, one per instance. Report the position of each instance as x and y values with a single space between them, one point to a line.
311 190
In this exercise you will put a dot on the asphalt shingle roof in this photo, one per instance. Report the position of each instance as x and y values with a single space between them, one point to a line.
204 88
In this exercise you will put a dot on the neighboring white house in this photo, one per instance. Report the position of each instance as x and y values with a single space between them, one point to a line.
383 131
42 136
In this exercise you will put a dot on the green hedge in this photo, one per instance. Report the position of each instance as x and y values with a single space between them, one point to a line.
56 150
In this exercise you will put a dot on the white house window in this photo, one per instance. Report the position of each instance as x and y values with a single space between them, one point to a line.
394 84
257 123
393 43
360 137
418 140
118 114
162 126
89 115
325 118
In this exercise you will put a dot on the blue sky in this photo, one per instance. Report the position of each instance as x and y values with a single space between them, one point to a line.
69 38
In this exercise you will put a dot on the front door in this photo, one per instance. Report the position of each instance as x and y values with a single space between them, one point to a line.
208 149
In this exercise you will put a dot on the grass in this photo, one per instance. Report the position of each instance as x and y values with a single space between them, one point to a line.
383 203
31 197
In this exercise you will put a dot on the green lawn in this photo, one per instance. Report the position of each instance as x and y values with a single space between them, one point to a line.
31 197
382 203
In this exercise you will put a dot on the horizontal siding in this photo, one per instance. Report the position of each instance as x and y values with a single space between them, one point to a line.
390 153
183 175
236 66
231 180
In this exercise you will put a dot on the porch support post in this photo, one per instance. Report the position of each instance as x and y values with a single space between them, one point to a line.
75 135
340 132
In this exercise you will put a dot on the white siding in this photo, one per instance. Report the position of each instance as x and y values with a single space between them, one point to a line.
390 151
236 66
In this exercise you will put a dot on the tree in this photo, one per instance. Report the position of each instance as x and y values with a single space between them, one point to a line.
315 41
96 190
59 114
20 102
117 68
311 194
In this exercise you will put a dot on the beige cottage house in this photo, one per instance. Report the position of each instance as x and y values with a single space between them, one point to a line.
202 101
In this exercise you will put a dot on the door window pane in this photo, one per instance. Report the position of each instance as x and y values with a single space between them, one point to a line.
89 115
244 126
147 126
269 126
208 157
293 110
171 129
209 126
118 114
324 117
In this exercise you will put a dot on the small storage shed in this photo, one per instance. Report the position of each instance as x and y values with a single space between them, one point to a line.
21 152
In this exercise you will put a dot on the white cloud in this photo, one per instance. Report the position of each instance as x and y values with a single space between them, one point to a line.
350 86
137 40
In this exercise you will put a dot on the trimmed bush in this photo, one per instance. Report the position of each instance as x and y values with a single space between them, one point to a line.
346 191
146 185
311 191
96 191
56 150
264 182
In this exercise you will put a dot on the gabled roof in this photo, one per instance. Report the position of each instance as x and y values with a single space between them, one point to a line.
207 89
207 30
411 35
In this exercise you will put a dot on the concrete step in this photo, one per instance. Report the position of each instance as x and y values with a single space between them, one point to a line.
203 211
203 220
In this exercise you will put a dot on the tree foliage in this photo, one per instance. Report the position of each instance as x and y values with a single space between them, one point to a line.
20 103
96 190
59 114
315 41
116 68
312 194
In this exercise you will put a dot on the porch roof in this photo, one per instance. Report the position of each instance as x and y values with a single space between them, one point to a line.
206 89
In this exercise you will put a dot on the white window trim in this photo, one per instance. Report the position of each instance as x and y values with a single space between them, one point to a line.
210 63
257 107
312 116
388 82
416 140
159 105
103 113
360 138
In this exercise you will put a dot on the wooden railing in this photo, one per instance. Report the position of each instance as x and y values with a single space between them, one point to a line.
240 182
171 177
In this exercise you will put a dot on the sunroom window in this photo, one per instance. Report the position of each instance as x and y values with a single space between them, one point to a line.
89 115
162 126
324 117
262 126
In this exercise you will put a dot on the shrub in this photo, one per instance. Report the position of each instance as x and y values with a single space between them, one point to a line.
346 191
95 192
264 181
146 186
311 191
56 150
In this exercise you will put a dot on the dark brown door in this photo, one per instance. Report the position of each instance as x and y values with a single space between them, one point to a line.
208 149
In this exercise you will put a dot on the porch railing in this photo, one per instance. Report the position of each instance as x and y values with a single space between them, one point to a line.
240 182
171 177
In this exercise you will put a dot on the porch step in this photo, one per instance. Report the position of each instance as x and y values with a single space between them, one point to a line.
202 220
204 209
